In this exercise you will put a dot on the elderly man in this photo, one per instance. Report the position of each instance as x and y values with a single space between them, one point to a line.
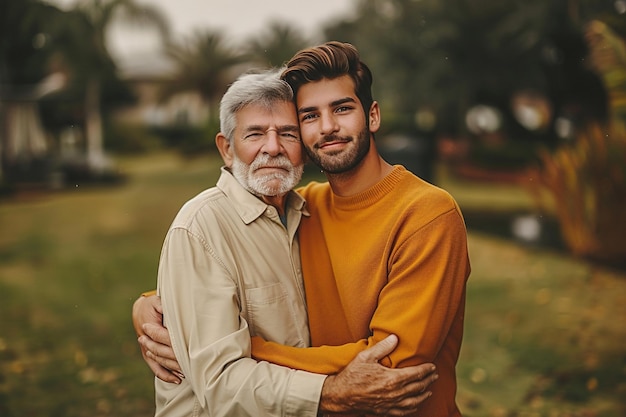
230 270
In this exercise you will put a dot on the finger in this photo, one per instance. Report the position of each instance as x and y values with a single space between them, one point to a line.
404 377
162 373
156 348
419 387
158 333
419 372
408 406
169 364
380 349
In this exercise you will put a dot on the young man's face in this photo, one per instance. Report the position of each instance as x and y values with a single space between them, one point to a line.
334 131
266 155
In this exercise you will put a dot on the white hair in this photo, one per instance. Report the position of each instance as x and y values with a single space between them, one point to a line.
264 88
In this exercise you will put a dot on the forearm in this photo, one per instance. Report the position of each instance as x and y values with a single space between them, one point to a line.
246 387
322 360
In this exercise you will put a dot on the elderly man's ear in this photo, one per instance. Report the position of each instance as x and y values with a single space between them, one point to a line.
225 148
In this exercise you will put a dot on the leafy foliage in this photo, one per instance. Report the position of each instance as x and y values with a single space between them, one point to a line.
203 64
275 46
587 179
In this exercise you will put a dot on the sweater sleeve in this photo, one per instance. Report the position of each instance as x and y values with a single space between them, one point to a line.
325 360
421 303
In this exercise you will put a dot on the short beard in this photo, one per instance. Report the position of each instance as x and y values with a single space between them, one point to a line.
261 184
342 162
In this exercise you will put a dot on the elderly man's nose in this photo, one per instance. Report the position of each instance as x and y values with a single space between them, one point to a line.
272 142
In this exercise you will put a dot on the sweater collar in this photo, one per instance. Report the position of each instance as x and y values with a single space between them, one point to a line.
373 194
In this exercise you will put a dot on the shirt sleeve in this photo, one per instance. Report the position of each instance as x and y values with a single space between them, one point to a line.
212 344
426 287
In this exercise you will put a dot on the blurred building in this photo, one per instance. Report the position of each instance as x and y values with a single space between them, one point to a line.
146 76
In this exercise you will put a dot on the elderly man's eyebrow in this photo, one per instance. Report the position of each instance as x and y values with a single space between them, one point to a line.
251 128
265 128
289 128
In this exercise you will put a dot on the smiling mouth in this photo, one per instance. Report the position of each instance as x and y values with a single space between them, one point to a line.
332 143
272 167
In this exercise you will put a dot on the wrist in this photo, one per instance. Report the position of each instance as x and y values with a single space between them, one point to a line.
330 399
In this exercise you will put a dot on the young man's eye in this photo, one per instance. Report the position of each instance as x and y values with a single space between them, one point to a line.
343 109
308 116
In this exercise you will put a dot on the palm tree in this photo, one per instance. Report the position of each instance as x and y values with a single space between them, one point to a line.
203 64
95 59
276 46
24 57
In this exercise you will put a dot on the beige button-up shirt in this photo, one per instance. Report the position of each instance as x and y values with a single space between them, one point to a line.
230 269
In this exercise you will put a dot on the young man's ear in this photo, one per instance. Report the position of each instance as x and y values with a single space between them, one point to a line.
374 117
225 148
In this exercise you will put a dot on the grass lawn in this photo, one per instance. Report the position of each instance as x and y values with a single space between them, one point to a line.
545 333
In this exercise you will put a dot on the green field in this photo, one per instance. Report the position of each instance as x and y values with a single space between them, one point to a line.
545 334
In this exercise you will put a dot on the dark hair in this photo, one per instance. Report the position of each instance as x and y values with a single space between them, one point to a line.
331 60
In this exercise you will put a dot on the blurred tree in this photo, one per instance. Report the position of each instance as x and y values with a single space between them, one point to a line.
448 55
91 56
23 37
24 56
275 46
587 177
38 39
203 63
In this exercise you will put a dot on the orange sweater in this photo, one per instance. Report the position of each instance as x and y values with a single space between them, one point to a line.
392 259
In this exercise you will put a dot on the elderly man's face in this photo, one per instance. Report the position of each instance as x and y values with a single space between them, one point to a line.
266 153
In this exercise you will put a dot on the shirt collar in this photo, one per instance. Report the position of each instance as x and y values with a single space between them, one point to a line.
248 206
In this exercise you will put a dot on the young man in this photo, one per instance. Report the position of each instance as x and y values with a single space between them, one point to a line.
230 269
395 259
383 252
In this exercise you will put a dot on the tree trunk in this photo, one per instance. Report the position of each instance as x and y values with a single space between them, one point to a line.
93 122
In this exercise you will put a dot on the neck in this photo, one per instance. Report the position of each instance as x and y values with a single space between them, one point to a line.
370 171
278 201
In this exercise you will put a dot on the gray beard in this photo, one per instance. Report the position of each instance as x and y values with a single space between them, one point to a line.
260 185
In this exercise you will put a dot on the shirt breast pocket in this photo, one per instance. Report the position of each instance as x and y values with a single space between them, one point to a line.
270 315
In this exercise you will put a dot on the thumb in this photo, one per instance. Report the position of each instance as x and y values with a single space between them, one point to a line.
158 306
380 349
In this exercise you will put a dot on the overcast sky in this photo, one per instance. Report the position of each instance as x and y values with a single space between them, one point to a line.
238 18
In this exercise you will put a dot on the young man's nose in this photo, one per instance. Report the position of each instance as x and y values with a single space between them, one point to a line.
328 124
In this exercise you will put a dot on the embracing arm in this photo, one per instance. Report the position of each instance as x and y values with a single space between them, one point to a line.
422 303
147 316
363 386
